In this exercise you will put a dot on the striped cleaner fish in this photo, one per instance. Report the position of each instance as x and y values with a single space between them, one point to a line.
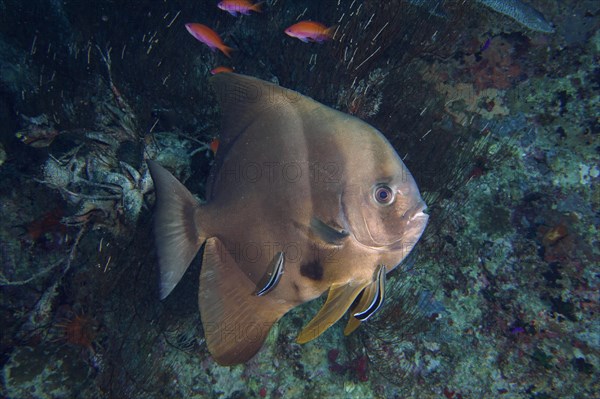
302 200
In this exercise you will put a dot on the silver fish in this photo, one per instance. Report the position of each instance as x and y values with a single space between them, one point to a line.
294 183
518 10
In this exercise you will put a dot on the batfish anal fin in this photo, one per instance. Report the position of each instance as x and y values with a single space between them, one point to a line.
236 322
370 301
272 276
177 236
327 233
338 301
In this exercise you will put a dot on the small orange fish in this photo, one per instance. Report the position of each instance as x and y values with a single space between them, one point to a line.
221 69
214 145
209 37
234 7
310 31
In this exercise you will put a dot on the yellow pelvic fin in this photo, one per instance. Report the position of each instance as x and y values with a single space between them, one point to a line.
338 301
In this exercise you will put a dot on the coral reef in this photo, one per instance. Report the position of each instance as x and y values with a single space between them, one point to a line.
498 123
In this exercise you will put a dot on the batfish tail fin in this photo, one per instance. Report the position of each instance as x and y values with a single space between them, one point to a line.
236 322
177 233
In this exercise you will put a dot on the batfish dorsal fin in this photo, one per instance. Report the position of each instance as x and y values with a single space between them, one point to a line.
236 322
338 301
243 99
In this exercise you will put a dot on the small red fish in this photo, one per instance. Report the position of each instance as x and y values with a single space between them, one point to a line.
214 145
50 222
209 37
239 6
221 69
310 31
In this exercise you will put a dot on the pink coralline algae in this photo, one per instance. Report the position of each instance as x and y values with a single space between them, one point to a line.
358 366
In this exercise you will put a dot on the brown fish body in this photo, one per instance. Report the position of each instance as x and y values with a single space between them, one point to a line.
291 176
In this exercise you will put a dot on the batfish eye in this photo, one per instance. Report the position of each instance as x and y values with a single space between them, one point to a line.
383 195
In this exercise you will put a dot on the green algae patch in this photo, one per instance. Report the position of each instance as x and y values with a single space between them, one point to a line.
495 220
49 372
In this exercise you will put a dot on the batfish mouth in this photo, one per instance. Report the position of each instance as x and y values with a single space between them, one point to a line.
417 212
413 224
416 220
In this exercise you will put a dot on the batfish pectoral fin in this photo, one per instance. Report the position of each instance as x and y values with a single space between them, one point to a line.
338 301
327 233
272 276
236 322
370 301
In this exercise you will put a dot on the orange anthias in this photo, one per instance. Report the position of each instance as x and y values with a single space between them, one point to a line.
209 37
310 31
221 69
235 7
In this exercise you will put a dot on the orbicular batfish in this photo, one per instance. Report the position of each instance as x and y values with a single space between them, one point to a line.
301 200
